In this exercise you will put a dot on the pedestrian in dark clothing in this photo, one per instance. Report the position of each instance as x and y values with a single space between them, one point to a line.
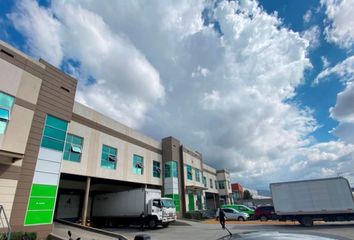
142 221
222 218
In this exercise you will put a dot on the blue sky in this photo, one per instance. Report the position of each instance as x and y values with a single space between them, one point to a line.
259 98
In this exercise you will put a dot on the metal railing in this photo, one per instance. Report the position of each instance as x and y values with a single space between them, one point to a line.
3 221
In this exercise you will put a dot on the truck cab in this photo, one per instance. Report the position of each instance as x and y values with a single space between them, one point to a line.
161 211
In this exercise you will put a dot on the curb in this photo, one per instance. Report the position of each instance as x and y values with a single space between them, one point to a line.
91 229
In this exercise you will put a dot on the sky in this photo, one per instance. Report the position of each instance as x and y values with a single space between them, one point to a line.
262 88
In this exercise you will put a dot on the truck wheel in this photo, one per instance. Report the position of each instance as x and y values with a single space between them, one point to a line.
165 225
241 219
152 223
306 221
263 218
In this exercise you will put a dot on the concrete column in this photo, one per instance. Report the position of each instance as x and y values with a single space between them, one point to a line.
84 207
215 206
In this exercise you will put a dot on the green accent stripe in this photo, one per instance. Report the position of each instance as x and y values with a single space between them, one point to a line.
39 217
38 203
40 190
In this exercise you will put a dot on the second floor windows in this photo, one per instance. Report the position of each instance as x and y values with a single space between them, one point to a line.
156 169
109 157
189 172
73 148
138 164
211 183
171 169
221 184
6 103
197 175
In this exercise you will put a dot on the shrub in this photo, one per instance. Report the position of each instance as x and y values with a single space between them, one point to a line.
20 236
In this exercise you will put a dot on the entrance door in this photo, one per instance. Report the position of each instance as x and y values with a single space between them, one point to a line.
199 201
191 201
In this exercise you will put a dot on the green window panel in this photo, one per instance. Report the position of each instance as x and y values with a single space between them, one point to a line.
221 184
167 169
171 169
4 115
189 172
109 157
138 164
156 169
2 127
6 104
43 190
191 206
174 169
73 148
6 101
54 133
52 144
197 175
56 123
39 217
41 203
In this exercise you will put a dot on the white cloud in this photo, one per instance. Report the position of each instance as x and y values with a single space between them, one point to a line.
307 16
313 36
343 70
126 79
340 20
229 95
325 62
343 110
41 29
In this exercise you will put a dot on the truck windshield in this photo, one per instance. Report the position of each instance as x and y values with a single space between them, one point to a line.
167 203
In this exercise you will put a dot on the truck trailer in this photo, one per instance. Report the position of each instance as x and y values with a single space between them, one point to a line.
127 207
328 199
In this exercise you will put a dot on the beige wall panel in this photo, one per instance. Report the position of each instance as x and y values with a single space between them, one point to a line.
18 129
10 77
82 167
7 195
29 88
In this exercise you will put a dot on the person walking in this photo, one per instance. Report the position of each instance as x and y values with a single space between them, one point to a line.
222 218
142 221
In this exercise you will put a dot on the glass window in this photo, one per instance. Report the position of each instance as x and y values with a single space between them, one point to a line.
109 157
6 103
168 170
138 164
156 169
211 183
54 133
189 172
228 185
216 184
73 148
171 169
4 114
174 169
197 175
204 181
221 184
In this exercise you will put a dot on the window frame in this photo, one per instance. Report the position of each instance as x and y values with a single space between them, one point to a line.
72 146
156 171
138 170
189 172
109 156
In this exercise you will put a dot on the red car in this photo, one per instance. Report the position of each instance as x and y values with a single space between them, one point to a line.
264 213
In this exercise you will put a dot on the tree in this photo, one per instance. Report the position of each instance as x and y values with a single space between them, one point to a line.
247 195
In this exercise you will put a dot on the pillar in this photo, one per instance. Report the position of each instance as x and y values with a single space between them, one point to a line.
84 207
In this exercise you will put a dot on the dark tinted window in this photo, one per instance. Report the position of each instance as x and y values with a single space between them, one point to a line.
228 210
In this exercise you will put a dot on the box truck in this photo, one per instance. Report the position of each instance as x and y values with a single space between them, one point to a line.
328 199
126 207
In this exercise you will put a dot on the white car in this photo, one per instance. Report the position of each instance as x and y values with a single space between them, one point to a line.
233 214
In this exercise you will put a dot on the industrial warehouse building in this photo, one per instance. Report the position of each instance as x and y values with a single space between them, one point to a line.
56 154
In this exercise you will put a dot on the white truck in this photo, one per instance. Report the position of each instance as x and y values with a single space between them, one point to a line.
126 208
328 199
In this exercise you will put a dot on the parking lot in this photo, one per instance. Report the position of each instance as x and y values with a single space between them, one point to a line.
210 230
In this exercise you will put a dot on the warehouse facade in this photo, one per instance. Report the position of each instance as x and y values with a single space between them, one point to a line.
56 154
